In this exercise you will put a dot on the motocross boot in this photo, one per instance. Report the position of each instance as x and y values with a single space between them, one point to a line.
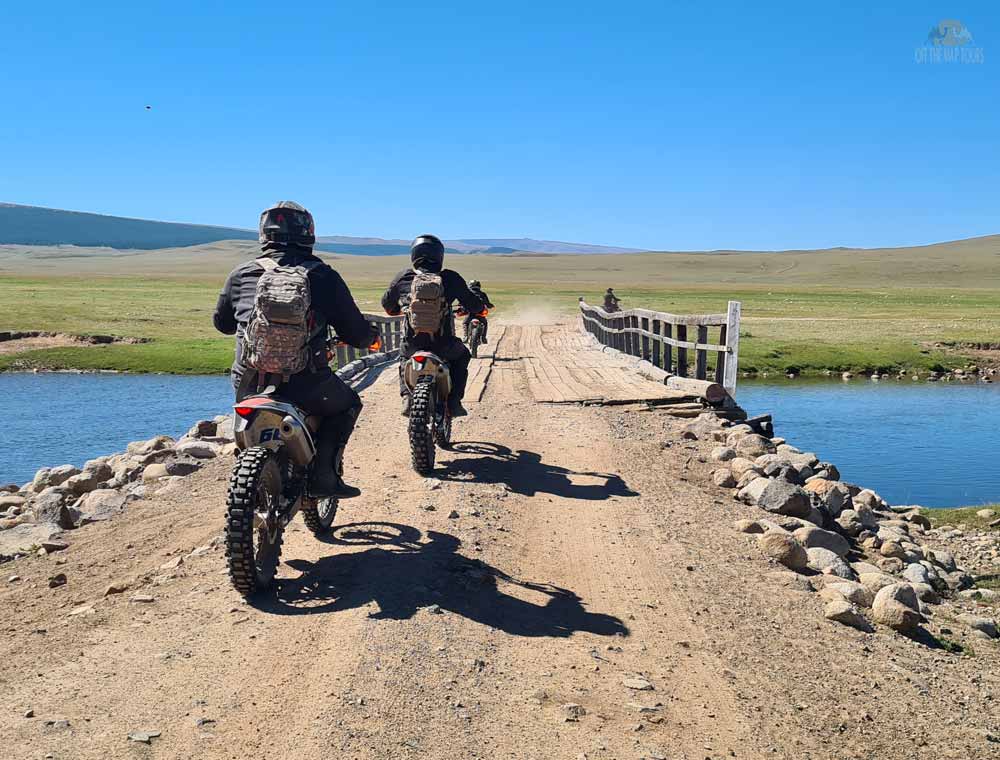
327 479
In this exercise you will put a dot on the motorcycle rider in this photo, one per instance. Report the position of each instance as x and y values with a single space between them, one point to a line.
477 289
427 255
287 235
611 301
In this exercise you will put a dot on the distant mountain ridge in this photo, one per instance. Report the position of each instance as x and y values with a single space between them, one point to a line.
36 225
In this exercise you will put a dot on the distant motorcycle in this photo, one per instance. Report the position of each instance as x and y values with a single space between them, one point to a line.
474 330
428 379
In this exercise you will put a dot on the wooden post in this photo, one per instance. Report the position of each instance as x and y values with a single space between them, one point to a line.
720 357
733 344
644 323
657 356
668 350
701 355
682 354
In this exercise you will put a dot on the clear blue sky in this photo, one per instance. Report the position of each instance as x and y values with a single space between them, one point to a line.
648 124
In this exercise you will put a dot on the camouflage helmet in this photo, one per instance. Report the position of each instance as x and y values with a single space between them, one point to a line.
289 223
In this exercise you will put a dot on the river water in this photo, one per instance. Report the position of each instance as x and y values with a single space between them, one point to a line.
915 443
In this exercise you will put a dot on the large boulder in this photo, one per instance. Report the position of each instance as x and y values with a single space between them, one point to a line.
722 454
876 581
784 548
831 494
870 499
224 427
916 573
10 500
855 593
897 606
198 449
741 466
102 504
845 613
723 478
203 429
159 443
52 506
984 625
827 539
48 477
752 446
85 482
829 563
777 496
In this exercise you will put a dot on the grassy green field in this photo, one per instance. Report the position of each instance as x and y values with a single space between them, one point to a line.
809 311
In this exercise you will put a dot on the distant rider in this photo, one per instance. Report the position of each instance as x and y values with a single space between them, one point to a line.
611 302
287 235
477 290
427 255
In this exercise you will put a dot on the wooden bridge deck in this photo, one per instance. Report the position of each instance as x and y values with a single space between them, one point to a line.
560 366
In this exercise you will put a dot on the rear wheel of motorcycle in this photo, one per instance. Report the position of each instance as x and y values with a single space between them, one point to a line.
421 426
474 340
253 527
319 515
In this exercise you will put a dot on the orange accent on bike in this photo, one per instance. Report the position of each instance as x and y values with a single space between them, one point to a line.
376 345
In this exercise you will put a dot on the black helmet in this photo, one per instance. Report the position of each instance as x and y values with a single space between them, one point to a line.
427 253
610 290
474 284
288 223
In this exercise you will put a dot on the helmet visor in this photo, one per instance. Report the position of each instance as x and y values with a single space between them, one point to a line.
286 225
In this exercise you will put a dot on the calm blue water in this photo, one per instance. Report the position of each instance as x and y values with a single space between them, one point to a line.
85 416
931 444
914 443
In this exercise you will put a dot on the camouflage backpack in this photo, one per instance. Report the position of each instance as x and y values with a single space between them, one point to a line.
282 322
427 307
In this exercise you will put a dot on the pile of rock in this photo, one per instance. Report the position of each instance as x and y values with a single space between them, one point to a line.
872 562
67 497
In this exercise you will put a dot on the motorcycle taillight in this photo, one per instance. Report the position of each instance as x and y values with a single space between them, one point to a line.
245 411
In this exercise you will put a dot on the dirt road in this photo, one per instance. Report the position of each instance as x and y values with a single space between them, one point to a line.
568 586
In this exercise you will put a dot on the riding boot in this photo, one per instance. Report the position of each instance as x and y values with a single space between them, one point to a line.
328 467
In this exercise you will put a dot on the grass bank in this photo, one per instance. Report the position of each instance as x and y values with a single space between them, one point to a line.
806 329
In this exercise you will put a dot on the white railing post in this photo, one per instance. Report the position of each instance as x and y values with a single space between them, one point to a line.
733 346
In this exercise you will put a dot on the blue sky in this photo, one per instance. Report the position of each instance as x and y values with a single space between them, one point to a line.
647 124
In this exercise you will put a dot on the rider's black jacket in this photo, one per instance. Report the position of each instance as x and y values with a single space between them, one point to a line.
331 301
482 297
455 289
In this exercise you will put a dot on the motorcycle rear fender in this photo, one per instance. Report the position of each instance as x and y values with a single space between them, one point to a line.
275 424
432 366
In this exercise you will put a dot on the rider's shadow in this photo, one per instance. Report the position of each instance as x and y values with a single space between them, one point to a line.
402 574
525 473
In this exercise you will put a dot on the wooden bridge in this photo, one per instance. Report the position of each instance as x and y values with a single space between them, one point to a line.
616 358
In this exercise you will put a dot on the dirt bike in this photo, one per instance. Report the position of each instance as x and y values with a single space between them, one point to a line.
474 330
427 377
275 442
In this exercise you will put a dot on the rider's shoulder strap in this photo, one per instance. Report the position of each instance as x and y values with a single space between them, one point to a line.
268 263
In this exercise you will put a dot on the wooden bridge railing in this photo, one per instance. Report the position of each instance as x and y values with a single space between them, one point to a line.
653 336
391 329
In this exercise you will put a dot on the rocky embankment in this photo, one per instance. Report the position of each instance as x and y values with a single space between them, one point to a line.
34 516
872 563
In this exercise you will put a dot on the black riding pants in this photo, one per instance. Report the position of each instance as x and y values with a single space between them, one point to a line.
449 348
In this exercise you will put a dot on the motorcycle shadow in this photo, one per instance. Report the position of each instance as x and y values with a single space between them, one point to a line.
524 472
404 574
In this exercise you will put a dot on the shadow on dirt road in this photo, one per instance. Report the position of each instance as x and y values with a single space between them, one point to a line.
403 574
525 473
